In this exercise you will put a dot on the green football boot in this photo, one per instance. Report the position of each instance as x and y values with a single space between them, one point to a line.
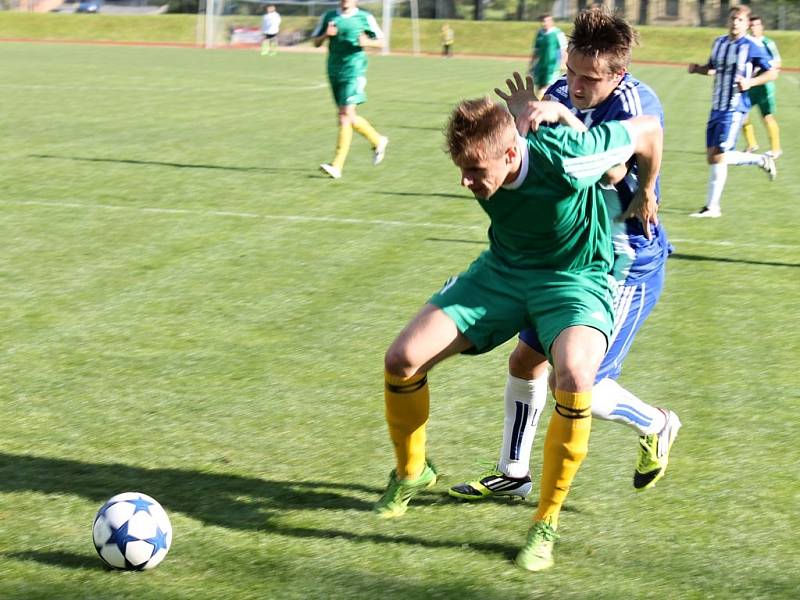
399 492
537 553
654 453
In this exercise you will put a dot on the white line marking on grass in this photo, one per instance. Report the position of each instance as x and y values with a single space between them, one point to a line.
342 220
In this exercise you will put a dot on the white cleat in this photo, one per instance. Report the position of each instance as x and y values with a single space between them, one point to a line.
768 165
331 171
707 213
380 151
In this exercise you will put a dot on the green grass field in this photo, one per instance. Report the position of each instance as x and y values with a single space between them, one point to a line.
189 309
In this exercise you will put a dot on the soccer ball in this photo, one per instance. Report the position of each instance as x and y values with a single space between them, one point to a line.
131 531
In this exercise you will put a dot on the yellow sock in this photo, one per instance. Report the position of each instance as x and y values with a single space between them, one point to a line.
407 404
749 134
565 447
362 126
774 133
342 145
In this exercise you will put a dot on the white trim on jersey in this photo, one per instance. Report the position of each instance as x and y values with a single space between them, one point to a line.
373 25
580 167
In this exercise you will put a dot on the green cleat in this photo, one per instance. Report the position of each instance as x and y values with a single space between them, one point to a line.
399 492
537 554
492 483
654 453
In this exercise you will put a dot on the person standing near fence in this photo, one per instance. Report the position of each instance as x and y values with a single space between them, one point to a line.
270 27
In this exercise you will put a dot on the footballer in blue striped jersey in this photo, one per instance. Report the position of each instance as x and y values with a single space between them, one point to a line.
596 89
734 60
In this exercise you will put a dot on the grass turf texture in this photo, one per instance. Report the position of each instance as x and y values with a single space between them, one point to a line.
503 38
191 310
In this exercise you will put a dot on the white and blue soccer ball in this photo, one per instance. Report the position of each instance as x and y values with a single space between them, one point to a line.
132 532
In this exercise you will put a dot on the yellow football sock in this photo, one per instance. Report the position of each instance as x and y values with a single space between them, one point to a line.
407 402
342 145
362 126
774 133
565 447
749 134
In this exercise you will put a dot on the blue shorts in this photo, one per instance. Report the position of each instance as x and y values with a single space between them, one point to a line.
723 128
632 305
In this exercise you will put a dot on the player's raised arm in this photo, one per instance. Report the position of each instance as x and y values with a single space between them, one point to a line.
529 113
648 145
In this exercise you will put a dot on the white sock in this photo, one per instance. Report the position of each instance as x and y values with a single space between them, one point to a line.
734 157
716 183
612 402
524 402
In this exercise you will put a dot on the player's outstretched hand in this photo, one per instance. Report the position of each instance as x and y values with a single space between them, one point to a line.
644 207
520 93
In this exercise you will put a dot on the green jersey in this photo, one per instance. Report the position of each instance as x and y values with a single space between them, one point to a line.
547 49
346 57
553 216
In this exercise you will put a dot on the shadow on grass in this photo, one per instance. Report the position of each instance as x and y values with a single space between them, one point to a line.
737 261
231 501
166 164
58 559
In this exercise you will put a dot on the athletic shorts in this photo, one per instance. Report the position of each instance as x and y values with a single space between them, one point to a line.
269 36
348 90
632 305
491 302
723 129
763 96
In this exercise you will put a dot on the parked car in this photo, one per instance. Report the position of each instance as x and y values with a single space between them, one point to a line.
89 6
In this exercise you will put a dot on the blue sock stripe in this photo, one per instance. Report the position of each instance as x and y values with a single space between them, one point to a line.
632 415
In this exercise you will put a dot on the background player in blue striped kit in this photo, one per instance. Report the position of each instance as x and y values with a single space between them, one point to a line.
596 89
734 58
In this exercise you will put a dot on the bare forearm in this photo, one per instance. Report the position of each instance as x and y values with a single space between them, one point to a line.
764 77
648 148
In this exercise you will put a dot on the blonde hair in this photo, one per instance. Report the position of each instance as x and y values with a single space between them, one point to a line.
479 128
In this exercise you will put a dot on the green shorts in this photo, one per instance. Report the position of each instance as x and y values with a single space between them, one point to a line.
349 89
763 96
490 302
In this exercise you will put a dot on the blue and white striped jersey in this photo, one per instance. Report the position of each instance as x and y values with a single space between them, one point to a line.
636 257
731 59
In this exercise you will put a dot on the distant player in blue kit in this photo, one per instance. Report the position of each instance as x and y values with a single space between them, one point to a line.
734 58
596 89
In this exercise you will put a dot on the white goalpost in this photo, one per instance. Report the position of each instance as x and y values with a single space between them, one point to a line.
212 33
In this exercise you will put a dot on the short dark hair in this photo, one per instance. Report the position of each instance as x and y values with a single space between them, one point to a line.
755 18
600 33
479 128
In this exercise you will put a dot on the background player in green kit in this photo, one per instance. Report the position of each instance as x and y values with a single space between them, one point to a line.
763 96
349 30
547 264
548 56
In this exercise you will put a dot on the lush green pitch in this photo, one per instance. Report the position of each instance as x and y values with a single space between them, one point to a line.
190 310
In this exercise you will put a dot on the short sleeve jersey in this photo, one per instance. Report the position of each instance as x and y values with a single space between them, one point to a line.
346 57
771 48
552 216
629 99
731 59
271 23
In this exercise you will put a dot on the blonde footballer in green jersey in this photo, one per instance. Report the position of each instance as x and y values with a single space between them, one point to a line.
547 264
763 96
349 30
